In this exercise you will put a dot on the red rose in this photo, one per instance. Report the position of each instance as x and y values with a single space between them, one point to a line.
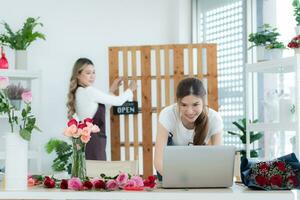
261 180
264 167
293 180
99 184
81 125
87 185
48 182
276 180
72 121
64 184
89 120
280 165
150 182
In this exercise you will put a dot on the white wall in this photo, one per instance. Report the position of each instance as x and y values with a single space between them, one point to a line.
77 28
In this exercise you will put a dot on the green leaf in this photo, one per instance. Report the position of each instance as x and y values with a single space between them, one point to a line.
25 134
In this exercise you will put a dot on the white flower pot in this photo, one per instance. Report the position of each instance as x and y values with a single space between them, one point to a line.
16 162
21 59
260 53
264 54
297 50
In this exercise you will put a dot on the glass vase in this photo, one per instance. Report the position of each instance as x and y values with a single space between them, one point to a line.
78 160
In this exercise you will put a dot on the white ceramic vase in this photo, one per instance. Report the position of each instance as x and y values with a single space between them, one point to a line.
264 54
297 30
21 59
16 162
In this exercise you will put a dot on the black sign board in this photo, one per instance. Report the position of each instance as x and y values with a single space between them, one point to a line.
129 107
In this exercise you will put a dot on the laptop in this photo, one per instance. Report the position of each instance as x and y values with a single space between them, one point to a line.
198 166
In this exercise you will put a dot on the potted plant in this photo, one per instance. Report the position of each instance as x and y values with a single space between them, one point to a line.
14 93
21 39
254 136
268 47
296 5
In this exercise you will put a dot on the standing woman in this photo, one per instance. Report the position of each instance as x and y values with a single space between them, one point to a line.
189 121
88 102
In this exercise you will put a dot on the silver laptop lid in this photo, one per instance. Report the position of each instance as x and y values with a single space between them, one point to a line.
198 166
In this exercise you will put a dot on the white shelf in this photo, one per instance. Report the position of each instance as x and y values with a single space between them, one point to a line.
32 154
291 126
283 65
20 74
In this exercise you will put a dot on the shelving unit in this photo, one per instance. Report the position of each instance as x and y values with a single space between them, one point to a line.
30 79
258 74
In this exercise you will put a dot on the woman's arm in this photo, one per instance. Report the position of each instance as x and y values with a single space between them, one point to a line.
216 139
161 142
101 97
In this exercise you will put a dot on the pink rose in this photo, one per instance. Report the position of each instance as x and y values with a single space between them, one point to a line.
31 182
95 129
4 81
70 131
77 134
138 180
122 179
88 120
131 183
74 184
27 97
85 138
112 185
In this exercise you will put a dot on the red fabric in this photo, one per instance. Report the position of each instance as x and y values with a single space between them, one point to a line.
3 61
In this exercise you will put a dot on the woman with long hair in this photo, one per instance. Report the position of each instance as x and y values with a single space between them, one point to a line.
189 121
88 102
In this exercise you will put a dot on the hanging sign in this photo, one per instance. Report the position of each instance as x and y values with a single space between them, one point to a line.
129 107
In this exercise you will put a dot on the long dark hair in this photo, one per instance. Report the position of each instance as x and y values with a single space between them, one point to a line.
77 69
193 86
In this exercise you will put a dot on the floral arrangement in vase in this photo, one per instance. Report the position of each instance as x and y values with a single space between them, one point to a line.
14 93
123 181
80 134
25 123
295 44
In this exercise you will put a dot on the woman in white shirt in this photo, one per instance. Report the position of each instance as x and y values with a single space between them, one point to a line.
89 102
189 121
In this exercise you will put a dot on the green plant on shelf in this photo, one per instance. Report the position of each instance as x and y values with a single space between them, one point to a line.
254 136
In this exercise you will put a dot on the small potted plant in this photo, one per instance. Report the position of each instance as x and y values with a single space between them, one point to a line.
296 5
21 40
14 93
295 44
268 47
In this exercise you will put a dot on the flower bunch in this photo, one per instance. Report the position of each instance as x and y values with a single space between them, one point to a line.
295 42
273 175
81 131
122 181
26 122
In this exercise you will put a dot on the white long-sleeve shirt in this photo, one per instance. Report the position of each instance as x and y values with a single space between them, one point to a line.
87 100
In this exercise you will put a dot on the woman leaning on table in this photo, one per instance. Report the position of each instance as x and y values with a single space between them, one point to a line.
89 102
189 121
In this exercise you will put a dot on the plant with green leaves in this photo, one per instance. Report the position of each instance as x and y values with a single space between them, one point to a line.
267 37
21 39
296 5
63 152
254 136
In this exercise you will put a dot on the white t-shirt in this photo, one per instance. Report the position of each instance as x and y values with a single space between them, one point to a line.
170 119
87 99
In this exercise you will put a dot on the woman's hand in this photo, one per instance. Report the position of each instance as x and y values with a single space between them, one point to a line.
132 86
116 84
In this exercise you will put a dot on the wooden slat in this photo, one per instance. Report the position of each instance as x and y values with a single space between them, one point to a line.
167 75
190 55
158 80
146 112
199 63
212 86
126 117
135 117
178 67
114 119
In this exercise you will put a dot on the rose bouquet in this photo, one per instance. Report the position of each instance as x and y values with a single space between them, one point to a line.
80 134
26 122
295 42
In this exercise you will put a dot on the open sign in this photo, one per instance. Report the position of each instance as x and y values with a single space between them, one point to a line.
129 107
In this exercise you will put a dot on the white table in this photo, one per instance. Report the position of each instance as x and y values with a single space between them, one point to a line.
237 192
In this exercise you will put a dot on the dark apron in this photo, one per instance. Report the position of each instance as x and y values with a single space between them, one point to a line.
95 148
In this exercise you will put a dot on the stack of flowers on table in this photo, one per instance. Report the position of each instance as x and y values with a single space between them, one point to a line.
80 134
122 181
273 175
